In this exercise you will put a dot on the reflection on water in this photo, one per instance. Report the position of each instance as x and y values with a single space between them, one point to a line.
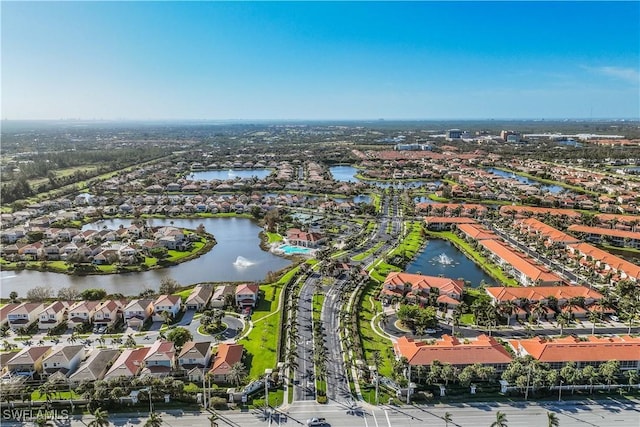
237 241
440 257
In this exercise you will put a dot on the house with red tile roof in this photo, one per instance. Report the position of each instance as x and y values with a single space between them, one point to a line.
613 236
128 364
525 270
484 349
417 287
552 236
583 351
247 295
606 262
439 223
476 232
307 239
160 359
534 294
227 356
523 211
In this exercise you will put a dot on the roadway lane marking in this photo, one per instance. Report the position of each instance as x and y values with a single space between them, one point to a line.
374 418
386 414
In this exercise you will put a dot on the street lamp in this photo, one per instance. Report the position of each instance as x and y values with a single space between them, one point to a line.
560 392
150 403
267 375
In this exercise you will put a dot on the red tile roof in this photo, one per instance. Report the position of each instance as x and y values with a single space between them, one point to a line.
612 261
570 349
418 281
484 349
227 356
537 293
605 231
520 263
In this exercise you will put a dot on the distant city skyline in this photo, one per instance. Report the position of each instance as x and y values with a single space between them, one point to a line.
320 61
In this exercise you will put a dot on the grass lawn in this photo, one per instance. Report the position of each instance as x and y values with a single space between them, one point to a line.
107 268
178 255
261 345
370 340
268 303
62 395
368 252
274 237
184 294
437 198
275 398
150 261
381 270
467 319
411 244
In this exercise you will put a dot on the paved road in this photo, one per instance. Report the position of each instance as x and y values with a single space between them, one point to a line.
337 382
609 413
304 373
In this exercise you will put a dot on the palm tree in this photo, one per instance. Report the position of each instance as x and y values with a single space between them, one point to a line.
563 320
552 419
212 419
100 418
594 316
154 420
447 418
501 420
237 372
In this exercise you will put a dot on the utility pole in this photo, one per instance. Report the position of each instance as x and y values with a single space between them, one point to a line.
560 392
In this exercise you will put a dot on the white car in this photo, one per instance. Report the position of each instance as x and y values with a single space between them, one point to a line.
430 331
614 318
316 422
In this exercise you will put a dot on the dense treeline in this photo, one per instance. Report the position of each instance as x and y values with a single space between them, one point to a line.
90 164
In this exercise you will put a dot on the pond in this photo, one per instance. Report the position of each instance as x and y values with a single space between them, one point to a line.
228 174
550 188
236 257
440 257
347 174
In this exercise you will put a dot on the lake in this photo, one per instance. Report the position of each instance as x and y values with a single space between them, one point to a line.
550 188
236 257
347 174
440 257
227 174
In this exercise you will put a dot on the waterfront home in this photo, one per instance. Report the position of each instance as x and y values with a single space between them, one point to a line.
160 359
128 364
592 350
24 314
306 239
417 288
194 358
28 361
219 297
53 315
613 236
524 269
108 312
440 223
81 312
484 349
227 356
65 360
5 310
169 304
246 295
199 297
137 312
96 365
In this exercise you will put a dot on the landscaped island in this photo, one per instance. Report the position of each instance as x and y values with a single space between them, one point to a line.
138 247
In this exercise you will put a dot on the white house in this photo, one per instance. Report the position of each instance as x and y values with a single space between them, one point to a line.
166 304
53 315
64 359
137 312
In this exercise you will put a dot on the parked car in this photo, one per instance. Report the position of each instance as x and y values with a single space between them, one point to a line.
316 422
614 318
430 331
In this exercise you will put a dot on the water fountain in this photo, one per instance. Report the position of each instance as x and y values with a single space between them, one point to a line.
242 262
444 259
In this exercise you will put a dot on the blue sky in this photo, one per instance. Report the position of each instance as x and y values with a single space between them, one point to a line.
305 60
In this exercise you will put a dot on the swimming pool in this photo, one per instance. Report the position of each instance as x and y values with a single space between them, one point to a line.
294 250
